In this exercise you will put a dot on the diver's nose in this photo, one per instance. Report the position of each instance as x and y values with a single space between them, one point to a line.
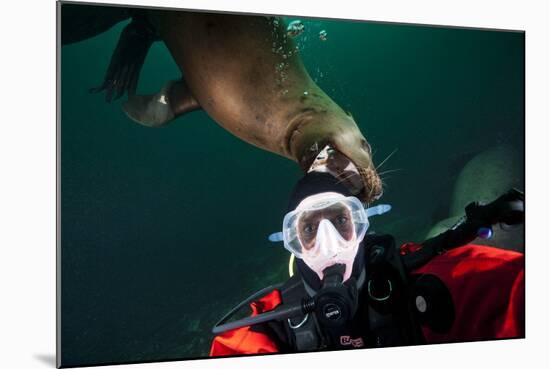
326 237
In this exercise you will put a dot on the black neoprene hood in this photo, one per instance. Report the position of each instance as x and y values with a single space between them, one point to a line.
314 183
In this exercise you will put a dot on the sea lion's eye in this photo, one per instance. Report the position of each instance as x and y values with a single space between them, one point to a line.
366 146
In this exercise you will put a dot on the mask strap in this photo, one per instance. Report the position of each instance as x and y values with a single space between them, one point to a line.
276 237
378 210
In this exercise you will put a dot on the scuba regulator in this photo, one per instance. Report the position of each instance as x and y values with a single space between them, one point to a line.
334 304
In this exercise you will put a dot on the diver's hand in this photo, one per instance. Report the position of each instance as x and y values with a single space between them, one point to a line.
128 58
507 209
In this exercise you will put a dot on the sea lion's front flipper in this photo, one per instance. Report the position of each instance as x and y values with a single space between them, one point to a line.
127 59
173 99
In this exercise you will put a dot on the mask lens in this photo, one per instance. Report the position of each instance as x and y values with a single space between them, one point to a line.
338 214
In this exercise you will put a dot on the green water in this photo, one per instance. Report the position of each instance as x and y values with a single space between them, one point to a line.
163 230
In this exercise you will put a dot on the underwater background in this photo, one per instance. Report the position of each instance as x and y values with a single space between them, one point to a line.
164 230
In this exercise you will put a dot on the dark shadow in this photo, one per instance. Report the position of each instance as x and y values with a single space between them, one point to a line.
48 359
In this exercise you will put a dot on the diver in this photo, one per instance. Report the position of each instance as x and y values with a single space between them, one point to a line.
355 289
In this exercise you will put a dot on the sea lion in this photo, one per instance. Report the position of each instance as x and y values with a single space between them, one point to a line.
246 73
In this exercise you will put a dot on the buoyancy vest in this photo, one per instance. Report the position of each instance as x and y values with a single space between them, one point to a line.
383 317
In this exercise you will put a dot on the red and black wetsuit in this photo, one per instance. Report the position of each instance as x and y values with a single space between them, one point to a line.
485 284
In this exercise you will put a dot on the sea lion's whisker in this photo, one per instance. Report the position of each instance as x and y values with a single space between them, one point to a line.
385 160
389 171
371 191
343 178
346 175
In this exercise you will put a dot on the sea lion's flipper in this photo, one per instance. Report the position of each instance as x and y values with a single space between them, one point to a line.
127 59
174 99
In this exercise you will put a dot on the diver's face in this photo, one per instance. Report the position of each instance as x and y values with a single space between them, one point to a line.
328 228
338 215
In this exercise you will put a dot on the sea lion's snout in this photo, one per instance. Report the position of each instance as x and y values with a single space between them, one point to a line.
359 176
350 157
361 179
356 150
372 189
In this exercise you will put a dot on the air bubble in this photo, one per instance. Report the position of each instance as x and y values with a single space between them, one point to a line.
295 28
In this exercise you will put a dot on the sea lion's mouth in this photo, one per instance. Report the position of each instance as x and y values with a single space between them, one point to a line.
355 170
295 130
361 182
372 189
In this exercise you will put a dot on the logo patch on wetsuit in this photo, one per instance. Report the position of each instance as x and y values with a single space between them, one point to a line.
347 340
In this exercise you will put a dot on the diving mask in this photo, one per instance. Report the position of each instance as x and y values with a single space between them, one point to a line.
322 217
326 229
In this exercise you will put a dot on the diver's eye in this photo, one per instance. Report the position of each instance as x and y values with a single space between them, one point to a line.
341 220
309 229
